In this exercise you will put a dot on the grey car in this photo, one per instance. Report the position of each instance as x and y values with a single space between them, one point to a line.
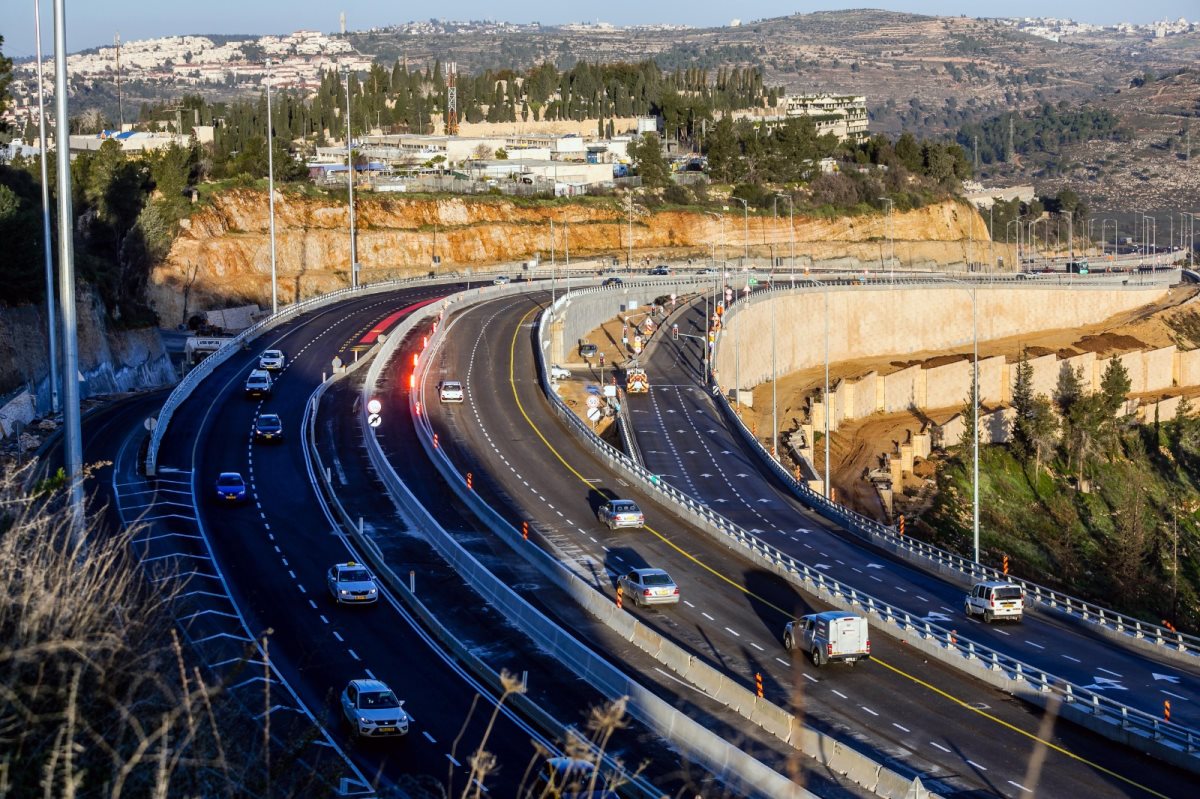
621 513
372 710
649 587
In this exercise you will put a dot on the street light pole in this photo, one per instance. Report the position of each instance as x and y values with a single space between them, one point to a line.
745 226
975 422
47 243
73 433
629 257
825 291
774 389
888 229
350 183
271 192
792 235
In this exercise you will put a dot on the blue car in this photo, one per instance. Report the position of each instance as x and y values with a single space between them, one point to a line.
231 487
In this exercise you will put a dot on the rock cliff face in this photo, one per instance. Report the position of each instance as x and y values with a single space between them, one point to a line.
223 254
109 361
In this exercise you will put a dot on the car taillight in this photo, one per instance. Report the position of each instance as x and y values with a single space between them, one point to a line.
646 592
829 649
868 646
676 590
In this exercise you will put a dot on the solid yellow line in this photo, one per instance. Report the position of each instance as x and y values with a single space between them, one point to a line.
512 361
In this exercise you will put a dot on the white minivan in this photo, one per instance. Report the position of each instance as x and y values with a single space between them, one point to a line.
832 635
996 600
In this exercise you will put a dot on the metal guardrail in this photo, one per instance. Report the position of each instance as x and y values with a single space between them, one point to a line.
1128 629
1168 740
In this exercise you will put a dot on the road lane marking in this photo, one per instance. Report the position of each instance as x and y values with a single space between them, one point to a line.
839 693
901 727
338 636
353 654
939 746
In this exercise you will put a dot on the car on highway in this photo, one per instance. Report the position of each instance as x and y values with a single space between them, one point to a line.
351 583
502 280
258 384
559 373
372 710
661 269
451 391
649 587
832 635
272 360
996 599
230 487
572 778
268 427
588 350
612 281
621 513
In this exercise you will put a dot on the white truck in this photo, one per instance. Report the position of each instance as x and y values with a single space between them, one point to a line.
832 635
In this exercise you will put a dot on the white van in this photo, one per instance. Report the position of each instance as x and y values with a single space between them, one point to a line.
832 635
996 600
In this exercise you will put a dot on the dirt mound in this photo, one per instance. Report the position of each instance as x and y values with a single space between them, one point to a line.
1108 342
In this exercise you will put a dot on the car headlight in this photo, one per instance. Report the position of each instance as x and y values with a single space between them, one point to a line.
362 720
372 591
343 591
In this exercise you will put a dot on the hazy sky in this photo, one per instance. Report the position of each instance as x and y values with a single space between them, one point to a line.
91 23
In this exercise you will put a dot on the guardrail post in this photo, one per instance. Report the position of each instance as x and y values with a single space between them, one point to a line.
1070 694
970 650
995 662
1138 632
1158 636
412 582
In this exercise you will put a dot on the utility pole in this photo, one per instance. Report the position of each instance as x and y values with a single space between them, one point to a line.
73 434
350 183
975 139
47 243
745 226
271 192
629 256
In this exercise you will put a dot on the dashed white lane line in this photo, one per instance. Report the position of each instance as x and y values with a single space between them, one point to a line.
313 604
918 596
689 604
1177 696
1031 643
872 712
353 654
901 727
939 746
338 636
429 737
1106 671
782 662
450 757
705 615
278 551
291 574
284 561
839 693
324 620
1074 660
756 646
303 590
976 765
1019 785
733 631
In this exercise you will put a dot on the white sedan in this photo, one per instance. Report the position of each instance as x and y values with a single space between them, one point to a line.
451 391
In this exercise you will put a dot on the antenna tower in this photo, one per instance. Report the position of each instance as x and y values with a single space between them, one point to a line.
452 101
120 101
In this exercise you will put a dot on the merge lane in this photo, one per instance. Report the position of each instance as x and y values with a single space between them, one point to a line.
728 628
684 437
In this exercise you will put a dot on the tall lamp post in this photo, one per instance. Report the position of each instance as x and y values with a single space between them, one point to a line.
47 243
1191 249
888 229
745 226
271 193
975 422
350 183
791 236
73 433
629 256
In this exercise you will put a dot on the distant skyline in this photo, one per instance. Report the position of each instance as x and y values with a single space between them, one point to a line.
94 24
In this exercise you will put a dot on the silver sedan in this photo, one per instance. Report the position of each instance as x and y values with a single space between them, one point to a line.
649 587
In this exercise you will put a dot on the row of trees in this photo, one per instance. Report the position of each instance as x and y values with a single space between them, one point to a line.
1046 129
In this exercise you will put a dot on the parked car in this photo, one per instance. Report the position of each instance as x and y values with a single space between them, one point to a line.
559 373
612 281
502 280
832 635
995 599
272 360
451 391
258 384
621 513
372 710
351 583
268 427
649 587
231 487
588 349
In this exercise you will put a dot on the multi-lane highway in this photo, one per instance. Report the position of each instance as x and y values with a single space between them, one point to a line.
953 732
684 438
272 552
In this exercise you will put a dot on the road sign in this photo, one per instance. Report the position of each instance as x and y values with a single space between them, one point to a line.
150 423
374 419
593 402
374 406
593 414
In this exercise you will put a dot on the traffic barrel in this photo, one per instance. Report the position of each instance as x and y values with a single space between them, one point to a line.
758 686
1166 710
470 477
525 530
435 441
1006 564
619 592
900 525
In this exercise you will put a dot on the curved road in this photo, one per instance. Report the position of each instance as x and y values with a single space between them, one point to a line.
959 736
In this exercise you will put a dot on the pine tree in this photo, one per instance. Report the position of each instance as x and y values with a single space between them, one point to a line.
1022 403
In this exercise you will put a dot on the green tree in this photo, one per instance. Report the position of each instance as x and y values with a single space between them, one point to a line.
1114 386
1069 390
1022 403
5 80
722 151
649 161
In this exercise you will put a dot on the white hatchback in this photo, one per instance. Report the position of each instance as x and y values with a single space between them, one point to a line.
451 391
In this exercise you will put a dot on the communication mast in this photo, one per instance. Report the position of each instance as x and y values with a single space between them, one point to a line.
452 101
120 99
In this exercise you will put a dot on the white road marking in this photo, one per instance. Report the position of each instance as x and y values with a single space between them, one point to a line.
839 693
428 737
976 765
353 654
1031 643
735 632
872 712
1177 696
705 615
1106 671
1019 785
450 757
756 646
939 746
325 620
901 727
338 636
810 678
782 662
313 604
